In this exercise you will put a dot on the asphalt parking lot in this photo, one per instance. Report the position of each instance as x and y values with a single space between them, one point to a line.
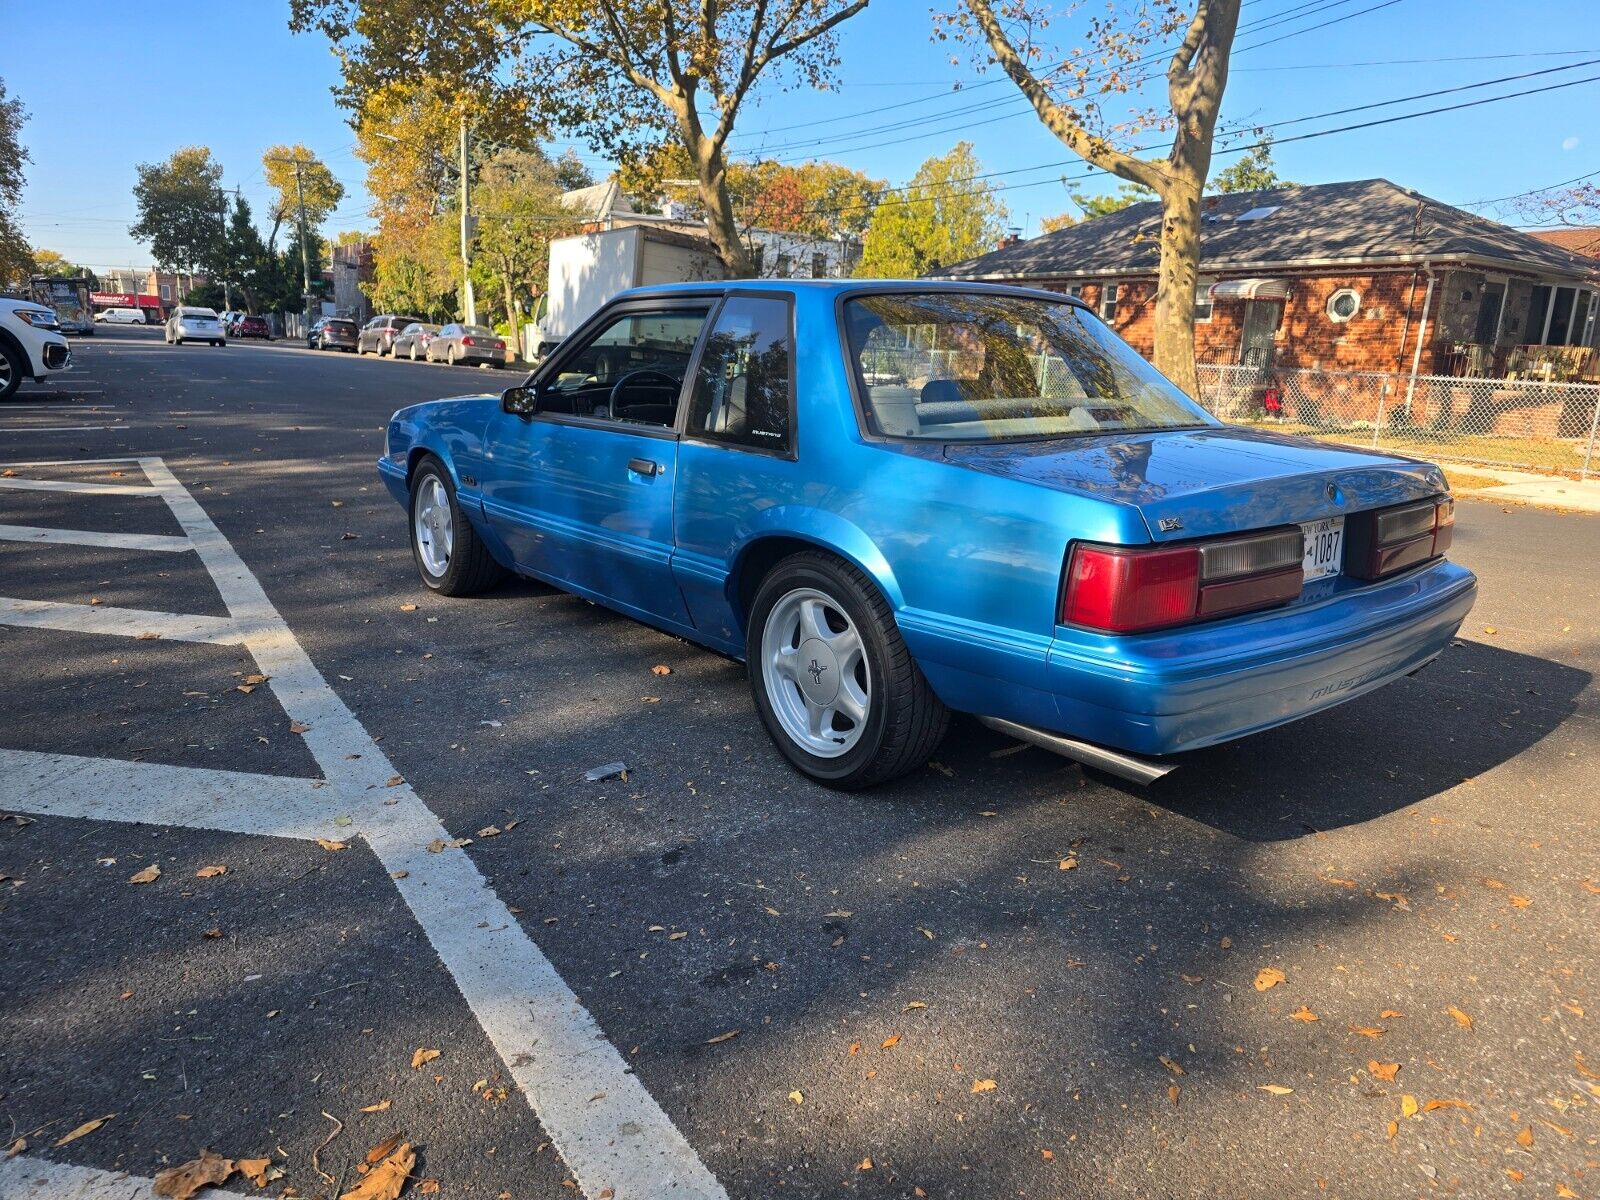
1002 976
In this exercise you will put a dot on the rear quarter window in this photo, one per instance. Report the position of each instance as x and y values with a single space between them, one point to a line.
743 390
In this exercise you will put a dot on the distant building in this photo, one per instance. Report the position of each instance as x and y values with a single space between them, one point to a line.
353 264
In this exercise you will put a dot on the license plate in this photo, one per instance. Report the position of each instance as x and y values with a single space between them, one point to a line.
1324 548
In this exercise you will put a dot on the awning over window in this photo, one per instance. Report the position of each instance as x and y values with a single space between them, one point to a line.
1251 289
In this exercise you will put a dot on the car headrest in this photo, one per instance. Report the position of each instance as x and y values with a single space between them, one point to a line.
943 391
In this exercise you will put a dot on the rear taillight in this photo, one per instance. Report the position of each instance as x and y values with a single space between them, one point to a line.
499 345
466 341
1397 538
1124 589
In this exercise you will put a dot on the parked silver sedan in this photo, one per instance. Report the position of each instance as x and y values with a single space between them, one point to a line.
412 341
189 324
467 344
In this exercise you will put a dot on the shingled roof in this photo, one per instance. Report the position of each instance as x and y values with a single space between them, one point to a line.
1365 222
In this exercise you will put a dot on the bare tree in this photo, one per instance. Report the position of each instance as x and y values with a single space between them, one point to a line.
1070 99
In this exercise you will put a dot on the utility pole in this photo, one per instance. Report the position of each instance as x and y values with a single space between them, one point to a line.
227 293
470 305
305 255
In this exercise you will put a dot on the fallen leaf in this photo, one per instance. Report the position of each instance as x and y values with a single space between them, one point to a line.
149 875
383 1149
182 1182
1392 1128
1436 1105
797 1096
299 727
1521 901
1382 1070
408 608
915 1004
1408 1106
890 1042
864 1165
1490 629
1390 1014
722 1037
661 669
86 1128
386 1180
1367 1031
255 1170
1172 1066
679 936
1565 1193
380 1106
1461 1018
147 637
256 680
1525 1138
331 846
1303 1014
1275 1089
1269 977
1173 1091
489 831
16 1147
1583 1068
983 1085
1561 1129
428 1187
1047 1155
1514 1175
855 1048
210 872
422 1056
212 933
1067 864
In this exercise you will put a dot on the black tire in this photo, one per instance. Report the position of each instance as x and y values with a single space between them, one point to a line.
905 720
471 569
14 369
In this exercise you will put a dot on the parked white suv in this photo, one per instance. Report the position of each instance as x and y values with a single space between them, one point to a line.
31 345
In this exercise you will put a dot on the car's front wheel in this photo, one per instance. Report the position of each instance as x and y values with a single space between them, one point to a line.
450 556
833 681
12 369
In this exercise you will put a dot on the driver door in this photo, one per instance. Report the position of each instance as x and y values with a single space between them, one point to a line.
581 493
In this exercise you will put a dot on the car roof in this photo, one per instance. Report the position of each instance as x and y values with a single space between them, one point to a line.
844 287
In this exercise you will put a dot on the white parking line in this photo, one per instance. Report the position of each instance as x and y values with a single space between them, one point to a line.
69 485
120 622
612 1135
28 1178
56 428
88 537
109 789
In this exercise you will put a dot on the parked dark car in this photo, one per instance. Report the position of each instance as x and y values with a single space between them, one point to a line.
378 334
412 341
332 333
246 326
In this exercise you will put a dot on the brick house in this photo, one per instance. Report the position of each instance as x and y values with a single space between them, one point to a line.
1358 276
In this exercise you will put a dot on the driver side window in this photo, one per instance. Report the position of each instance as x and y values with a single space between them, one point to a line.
631 369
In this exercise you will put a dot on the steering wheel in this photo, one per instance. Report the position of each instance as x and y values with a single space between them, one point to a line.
633 377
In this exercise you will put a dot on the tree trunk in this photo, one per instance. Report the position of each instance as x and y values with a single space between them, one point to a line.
711 170
1175 282
511 310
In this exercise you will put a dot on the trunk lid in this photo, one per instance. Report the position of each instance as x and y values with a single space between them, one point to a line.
1196 482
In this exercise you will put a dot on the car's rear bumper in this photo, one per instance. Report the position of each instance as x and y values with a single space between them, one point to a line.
1180 690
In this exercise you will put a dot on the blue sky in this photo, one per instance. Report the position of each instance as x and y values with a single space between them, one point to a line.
232 76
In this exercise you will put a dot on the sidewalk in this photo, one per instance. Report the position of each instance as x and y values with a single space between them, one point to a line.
1523 487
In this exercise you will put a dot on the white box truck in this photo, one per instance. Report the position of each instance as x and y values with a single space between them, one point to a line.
588 269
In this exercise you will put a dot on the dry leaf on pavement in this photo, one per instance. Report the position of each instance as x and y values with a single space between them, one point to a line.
422 1056
1525 1138
149 875
1172 1066
385 1181
299 727
983 1085
1436 1105
331 846
1303 1014
1461 1018
210 872
380 1106
797 1096
1370 1031
16 1147
1382 1070
257 1170
383 1149
87 1127
722 1037
1408 1106
890 1042
182 1182
661 669
1269 977
1275 1089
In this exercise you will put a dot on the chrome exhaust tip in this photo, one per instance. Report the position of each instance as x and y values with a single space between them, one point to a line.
1115 762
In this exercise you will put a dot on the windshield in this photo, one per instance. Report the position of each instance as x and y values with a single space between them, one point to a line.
965 366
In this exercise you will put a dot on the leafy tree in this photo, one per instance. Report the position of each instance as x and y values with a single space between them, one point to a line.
572 172
16 260
1575 206
822 200
943 216
49 262
179 202
1126 196
626 75
518 205
1059 221
244 260
1070 100
1255 172
322 192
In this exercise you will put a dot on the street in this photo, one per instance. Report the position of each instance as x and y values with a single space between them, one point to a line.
1350 957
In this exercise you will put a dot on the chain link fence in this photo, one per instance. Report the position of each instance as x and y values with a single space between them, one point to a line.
1524 424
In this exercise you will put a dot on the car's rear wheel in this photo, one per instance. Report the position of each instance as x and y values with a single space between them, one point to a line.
11 369
450 556
833 681
450 356
413 352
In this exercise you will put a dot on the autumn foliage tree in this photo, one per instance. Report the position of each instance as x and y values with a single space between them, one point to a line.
1072 98
625 75
946 214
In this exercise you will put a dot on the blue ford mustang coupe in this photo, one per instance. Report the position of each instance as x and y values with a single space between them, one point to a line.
892 500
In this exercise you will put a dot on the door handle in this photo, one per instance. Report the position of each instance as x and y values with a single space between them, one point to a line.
644 466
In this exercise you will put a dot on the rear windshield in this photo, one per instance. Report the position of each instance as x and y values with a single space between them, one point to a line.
419 328
966 366
341 326
196 314
477 331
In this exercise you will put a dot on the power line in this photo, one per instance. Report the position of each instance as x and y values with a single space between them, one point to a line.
1530 192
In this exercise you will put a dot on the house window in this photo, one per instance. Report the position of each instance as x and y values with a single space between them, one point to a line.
1202 302
819 266
785 267
166 292
1344 304
758 254
1108 301
1075 291
1558 316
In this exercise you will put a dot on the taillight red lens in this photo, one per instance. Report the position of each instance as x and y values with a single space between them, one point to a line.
1122 591
1404 537
466 341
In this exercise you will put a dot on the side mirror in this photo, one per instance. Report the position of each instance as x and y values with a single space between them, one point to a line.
521 400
